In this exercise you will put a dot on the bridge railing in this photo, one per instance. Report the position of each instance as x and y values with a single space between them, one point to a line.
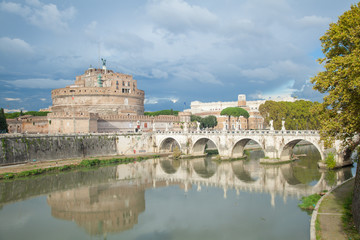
243 132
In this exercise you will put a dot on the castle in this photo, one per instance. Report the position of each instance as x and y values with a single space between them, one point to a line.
101 100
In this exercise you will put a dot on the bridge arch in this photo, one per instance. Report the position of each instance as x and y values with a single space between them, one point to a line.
238 149
169 144
287 150
200 144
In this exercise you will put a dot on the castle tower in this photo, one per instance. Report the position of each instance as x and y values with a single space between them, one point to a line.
241 100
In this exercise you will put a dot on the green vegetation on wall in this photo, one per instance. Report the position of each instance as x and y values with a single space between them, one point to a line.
18 114
162 112
297 115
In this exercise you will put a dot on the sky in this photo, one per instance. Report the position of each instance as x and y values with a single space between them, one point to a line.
178 50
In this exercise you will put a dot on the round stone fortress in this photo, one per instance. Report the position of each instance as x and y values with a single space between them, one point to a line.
99 91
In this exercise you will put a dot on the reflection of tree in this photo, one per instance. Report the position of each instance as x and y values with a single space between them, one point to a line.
241 172
330 177
100 209
170 166
204 167
306 170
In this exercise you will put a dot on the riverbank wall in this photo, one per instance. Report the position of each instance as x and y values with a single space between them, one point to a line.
17 149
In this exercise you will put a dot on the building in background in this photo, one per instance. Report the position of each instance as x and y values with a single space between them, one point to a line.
255 120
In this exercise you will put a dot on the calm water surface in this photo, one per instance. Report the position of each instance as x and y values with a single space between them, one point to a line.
167 199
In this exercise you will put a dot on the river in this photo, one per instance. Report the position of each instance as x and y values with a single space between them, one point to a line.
168 199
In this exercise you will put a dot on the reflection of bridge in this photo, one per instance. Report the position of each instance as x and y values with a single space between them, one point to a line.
277 145
238 175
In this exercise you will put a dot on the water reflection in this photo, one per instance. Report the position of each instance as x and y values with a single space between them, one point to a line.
100 209
110 200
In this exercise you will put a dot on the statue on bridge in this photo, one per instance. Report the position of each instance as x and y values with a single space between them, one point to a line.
271 125
283 125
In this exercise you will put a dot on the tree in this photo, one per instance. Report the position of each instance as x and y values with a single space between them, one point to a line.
297 115
209 121
235 112
3 124
340 111
340 81
206 122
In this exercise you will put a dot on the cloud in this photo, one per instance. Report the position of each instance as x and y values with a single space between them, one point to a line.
156 100
14 110
157 73
15 46
46 16
12 99
178 16
314 21
41 83
185 73
259 73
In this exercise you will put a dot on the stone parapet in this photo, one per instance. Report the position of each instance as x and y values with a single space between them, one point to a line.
160 118
72 115
70 91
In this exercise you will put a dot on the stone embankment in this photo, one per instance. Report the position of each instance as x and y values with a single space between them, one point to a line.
17 149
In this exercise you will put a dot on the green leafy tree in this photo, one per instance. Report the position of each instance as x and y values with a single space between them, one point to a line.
206 122
340 111
209 122
3 124
235 112
297 115
340 81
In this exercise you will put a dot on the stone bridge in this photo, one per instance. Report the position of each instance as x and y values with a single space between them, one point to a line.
277 145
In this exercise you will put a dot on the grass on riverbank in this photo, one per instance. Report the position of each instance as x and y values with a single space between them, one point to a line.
347 219
308 203
86 163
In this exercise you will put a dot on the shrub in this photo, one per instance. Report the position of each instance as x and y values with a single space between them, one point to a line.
176 153
330 161
309 202
64 168
90 163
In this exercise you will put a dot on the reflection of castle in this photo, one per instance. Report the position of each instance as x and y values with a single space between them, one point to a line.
115 207
100 209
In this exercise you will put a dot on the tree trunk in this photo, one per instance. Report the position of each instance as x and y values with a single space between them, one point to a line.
356 199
